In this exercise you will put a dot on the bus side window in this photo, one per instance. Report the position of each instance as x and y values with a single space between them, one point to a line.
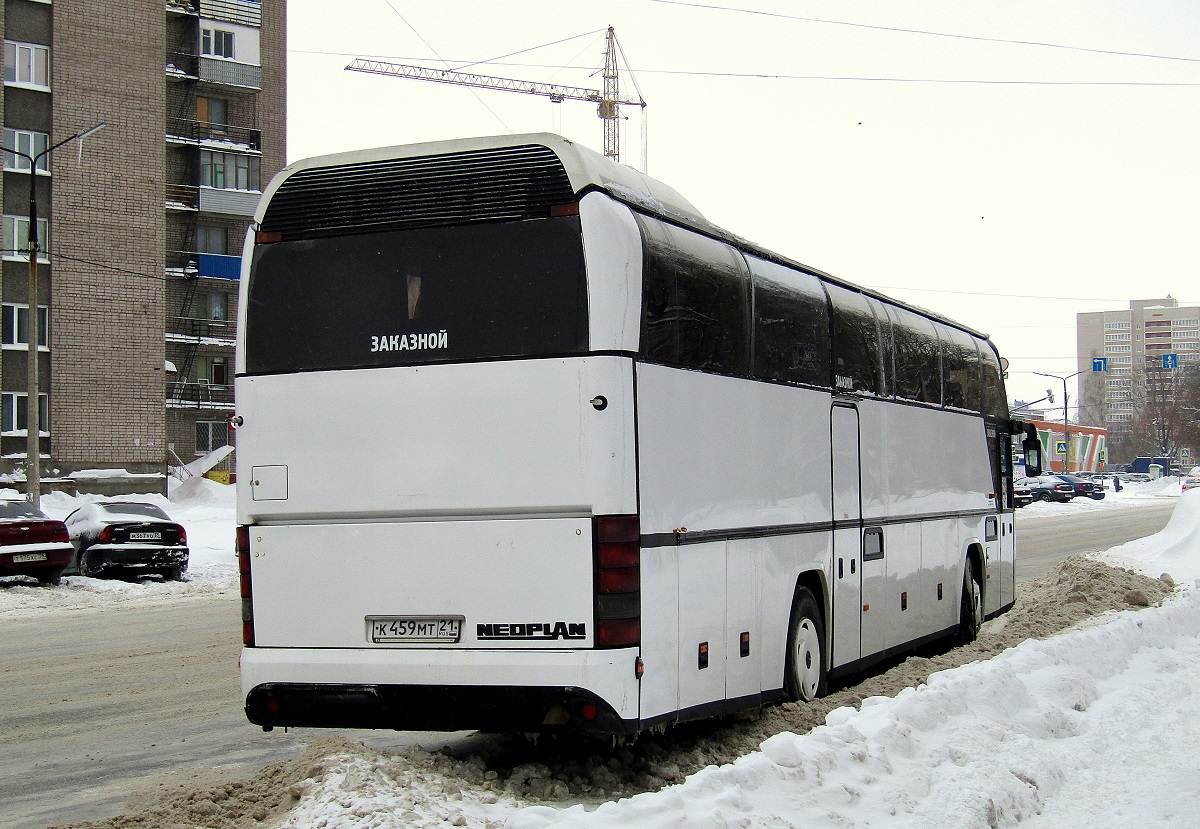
918 357
856 361
791 325
995 402
695 301
961 371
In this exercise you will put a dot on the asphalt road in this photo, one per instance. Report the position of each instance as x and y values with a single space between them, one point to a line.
1044 541
101 709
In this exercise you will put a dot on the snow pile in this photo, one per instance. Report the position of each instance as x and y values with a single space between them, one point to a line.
1045 735
1175 550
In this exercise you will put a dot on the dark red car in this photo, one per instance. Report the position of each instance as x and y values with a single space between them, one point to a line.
32 544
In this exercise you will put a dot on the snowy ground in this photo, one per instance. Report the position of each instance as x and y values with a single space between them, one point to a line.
206 510
1164 490
1094 726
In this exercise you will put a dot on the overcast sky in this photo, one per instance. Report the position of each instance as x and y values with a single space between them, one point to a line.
901 146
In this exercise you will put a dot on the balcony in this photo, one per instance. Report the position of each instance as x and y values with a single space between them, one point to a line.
242 12
183 197
230 73
188 7
213 136
183 66
229 202
192 331
226 202
190 264
198 394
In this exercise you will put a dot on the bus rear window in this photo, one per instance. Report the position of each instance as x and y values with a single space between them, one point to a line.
413 297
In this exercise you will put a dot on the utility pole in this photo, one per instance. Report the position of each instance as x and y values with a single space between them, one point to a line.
33 421
1066 422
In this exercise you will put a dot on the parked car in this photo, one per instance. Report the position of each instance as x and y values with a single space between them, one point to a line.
1048 488
127 536
1190 482
1022 495
1083 487
31 544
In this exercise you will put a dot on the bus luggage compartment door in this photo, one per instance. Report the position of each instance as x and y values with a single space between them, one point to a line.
522 583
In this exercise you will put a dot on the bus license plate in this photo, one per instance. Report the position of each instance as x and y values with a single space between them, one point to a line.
145 536
21 558
415 628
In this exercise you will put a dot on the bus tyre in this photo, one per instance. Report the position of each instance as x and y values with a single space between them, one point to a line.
804 673
971 614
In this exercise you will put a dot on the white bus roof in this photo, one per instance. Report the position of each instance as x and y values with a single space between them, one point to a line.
586 169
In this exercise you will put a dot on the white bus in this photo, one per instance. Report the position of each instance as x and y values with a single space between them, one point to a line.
527 444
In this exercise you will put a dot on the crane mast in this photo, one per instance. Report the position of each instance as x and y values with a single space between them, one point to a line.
608 100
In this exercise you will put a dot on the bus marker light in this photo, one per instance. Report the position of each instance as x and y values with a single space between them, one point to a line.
588 711
639 667
557 211
267 237
866 607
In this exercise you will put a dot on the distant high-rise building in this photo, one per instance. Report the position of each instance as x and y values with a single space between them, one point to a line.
1144 348
142 227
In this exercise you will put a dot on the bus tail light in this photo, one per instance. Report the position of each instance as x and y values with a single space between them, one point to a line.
243 556
618 551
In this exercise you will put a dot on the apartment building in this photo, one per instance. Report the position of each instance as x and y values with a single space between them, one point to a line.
140 225
1144 347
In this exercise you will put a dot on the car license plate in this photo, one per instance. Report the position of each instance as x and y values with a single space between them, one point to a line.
21 558
145 536
414 628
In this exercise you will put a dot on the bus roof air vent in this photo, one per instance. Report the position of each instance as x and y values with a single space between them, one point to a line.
487 185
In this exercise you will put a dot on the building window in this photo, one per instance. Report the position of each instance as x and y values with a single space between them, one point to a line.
30 143
16 238
15 415
211 435
27 63
1116 326
213 111
217 43
212 240
213 371
16 325
228 171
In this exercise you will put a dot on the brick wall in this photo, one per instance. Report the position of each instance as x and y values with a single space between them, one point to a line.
272 101
107 387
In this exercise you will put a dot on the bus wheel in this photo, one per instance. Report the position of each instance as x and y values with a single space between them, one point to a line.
971 614
805 671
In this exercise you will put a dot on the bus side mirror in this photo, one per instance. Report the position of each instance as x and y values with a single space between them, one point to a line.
1032 447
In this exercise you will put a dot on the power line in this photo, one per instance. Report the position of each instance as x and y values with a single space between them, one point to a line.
777 76
929 33
156 277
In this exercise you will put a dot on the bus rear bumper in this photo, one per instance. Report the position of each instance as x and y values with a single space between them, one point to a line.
588 692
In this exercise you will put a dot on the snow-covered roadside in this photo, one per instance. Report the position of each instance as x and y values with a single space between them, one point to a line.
1072 731
205 508
1132 495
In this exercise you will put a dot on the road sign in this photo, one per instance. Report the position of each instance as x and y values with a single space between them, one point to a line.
1170 361
1185 452
1060 447
1099 364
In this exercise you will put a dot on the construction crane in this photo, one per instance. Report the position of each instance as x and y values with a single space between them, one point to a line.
608 101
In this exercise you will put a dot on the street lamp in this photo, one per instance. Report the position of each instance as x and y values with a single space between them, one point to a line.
33 423
1066 423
